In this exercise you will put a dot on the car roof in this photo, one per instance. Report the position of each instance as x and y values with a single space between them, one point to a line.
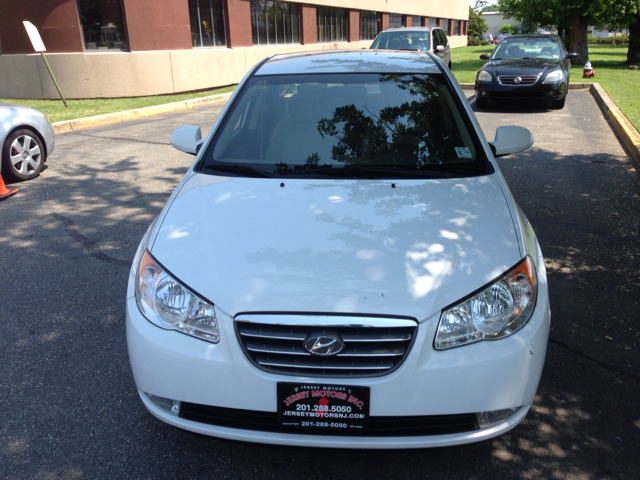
408 29
533 36
358 61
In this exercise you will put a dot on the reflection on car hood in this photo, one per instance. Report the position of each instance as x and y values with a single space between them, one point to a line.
337 245
520 66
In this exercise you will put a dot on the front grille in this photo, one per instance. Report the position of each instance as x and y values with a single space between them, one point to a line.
378 426
524 79
373 346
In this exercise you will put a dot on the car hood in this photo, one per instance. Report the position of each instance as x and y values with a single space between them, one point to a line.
520 66
352 246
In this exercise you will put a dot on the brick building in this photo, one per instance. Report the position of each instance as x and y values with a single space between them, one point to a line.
120 48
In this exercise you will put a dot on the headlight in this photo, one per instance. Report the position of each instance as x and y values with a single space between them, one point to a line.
496 311
484 76
165 302
554 77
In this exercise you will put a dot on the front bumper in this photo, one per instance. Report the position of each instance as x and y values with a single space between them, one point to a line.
487 376
538 91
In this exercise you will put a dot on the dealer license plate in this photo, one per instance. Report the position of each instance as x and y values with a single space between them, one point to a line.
316 406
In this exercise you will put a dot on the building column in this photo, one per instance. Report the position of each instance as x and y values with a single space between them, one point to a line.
308 26
57 23
425 21
440 22
407 20
238 13
385 21
354 25
450 32
157 24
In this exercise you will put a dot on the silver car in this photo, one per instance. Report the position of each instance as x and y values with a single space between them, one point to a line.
27 138
424 39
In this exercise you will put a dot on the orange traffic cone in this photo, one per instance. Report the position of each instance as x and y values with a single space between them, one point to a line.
4 191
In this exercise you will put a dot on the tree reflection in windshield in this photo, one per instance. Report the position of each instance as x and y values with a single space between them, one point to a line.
409 134
349 126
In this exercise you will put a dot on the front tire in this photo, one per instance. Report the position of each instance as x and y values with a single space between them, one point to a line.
558 104
23 156
482 102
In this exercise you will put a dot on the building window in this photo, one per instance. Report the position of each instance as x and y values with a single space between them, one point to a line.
445 25
102 25
332 24
274 22
395 20
433 22
207 23
416 21
456 28
370 25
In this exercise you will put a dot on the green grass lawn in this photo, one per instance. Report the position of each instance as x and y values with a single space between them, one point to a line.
622 85
56 112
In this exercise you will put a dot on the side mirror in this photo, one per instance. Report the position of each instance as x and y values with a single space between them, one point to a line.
186 139
440 48
484 56
510 140
571 55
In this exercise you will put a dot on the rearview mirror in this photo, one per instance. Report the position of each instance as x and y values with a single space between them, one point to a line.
510 140
187 139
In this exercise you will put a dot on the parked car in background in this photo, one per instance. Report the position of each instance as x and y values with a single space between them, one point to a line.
525 67
490 38
501 37
422 39
342 266
26 139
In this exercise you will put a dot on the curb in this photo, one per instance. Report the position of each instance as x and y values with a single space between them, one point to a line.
627 132
108 118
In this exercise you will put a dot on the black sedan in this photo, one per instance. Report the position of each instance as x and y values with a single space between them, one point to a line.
525 67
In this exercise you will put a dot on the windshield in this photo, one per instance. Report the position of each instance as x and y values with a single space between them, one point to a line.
346 125
526 48
402 41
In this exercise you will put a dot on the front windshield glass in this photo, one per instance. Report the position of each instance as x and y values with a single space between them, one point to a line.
402 41
526 48
353 125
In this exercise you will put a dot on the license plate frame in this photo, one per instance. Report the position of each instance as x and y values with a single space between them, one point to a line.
323 408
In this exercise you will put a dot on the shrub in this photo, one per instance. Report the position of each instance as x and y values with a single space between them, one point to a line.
474 41
607 40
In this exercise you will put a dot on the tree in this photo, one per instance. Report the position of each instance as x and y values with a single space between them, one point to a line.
477 25
576 13
626 14
507 28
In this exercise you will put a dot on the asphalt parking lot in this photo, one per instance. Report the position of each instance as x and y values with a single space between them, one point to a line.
69 408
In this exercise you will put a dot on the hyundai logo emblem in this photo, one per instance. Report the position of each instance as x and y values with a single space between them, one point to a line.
517 80
323 345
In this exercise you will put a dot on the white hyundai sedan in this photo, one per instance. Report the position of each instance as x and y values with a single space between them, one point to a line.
343 265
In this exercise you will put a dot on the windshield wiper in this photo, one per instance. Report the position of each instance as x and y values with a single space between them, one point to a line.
240 170
374 171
